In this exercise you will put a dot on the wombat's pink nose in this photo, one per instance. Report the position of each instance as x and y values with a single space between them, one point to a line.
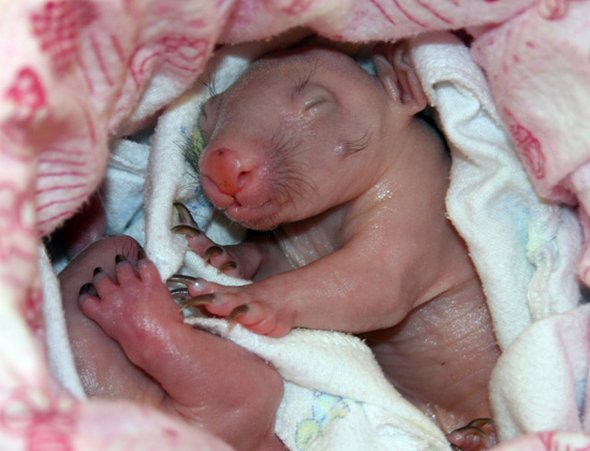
226 169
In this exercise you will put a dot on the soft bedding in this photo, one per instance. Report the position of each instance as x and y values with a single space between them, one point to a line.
80 75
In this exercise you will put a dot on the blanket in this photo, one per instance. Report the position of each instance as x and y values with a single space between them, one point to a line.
79 74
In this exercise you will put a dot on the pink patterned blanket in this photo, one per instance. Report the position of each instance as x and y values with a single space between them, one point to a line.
77 74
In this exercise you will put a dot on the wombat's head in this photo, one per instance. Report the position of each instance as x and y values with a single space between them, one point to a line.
304 131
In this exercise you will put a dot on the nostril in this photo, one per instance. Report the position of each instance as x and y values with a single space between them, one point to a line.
220 153
243 179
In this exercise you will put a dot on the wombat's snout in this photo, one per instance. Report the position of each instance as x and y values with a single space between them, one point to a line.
228 176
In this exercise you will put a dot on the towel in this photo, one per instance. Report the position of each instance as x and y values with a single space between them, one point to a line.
524 250
78 75
544 104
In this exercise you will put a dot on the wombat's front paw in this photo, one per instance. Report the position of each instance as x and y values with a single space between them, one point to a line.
237 305
198 242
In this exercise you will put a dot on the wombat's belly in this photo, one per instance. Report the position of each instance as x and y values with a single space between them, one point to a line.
441 356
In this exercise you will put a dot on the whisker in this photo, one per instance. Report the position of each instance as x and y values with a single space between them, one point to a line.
287 168
208 83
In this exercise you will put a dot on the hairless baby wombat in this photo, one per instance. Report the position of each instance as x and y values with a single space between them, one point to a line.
336 163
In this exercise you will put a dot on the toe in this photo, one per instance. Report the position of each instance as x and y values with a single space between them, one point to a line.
257 318
212 253
222 304
202 286
125 271
103 283
90 306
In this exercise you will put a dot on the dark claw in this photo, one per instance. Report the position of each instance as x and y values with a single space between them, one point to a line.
141 254
185 229
481 423
237 312
88 288
228 266
213 251
478 428
120 258
469 430
181 294
97 270
184 215
195 301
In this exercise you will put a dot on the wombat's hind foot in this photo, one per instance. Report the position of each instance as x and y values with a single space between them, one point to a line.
478 435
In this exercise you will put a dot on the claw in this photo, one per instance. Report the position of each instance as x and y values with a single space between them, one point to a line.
469 430
88 288
474 428
120 258
228 266
213 251
141 253
182 279
237 312
195 301
179 294
185 229
184 215
480 423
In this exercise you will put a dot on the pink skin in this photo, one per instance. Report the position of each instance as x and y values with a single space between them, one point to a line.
309 144
130 341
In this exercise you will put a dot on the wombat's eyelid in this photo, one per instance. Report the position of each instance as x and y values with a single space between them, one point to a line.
315 95
314 101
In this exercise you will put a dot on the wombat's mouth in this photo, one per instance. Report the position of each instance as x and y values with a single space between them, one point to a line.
263 217
258 208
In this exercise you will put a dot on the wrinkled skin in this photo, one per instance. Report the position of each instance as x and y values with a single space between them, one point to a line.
334 160
130 341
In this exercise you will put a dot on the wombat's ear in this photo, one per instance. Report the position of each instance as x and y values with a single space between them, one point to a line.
399 77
